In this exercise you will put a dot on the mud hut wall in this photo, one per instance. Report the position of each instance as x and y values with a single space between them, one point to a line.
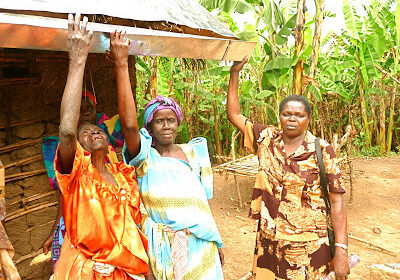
36 105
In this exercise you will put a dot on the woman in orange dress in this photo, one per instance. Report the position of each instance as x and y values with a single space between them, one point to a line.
101 201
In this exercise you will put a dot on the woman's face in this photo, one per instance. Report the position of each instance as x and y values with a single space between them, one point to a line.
164 126
294 119
92 138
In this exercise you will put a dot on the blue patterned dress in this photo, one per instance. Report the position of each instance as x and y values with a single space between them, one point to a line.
175 194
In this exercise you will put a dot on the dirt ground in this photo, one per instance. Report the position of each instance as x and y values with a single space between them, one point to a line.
376 204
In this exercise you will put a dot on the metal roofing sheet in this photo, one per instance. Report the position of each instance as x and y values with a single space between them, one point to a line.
183 12
35 32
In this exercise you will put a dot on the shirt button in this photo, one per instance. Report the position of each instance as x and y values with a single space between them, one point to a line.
123 198
123 191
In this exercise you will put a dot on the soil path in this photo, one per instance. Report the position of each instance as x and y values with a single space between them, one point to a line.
376 204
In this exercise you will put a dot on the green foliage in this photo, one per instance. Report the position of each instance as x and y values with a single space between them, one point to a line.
344 69
227 6
352 20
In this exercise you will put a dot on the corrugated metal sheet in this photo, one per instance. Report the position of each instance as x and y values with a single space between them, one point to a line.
182 12
34 32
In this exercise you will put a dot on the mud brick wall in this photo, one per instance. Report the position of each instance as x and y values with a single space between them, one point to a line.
29 110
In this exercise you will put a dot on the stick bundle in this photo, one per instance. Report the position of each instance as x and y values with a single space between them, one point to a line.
22 144
29 209
23 175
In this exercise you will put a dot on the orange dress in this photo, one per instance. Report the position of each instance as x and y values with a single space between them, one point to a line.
101 222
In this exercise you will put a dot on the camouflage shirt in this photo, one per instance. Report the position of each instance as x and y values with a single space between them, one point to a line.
287 197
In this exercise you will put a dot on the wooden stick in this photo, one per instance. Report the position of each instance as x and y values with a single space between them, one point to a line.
342 142
19 123
347 137
33 228
386 73
24 161
19 213
32 198
29 256
18 145
234 137
335 141
16 81
389 252
29 207
23 175
350 164
238 191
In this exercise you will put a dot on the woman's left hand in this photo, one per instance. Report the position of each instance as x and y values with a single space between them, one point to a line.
221 256
341 264
119 49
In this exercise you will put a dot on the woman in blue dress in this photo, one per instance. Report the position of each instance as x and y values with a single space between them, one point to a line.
175 182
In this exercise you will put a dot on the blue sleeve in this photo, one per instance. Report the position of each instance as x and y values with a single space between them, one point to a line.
200 150
145 147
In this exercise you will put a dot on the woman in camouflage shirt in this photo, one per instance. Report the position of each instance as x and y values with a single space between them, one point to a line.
292 239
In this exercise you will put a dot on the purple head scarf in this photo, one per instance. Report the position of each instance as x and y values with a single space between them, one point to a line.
159 103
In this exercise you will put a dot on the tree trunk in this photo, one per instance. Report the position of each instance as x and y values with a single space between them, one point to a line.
197 119
382 125
319 17
364 110
391 118
153 83
216 128
299 46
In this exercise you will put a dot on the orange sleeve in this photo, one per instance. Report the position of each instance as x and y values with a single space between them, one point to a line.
67 182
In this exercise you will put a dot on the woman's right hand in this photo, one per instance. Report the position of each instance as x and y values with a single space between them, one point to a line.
47 244
78 38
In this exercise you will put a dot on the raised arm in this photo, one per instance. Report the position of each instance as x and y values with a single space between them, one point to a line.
78 48
232 104
126 105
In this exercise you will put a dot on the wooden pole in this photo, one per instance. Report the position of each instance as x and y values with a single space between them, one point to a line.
22 144
23 175
19 123
216 130
389 252
238 192
28 210
233 155
29 256
25 200
24 161
391 119
153 81
234 137
348 148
